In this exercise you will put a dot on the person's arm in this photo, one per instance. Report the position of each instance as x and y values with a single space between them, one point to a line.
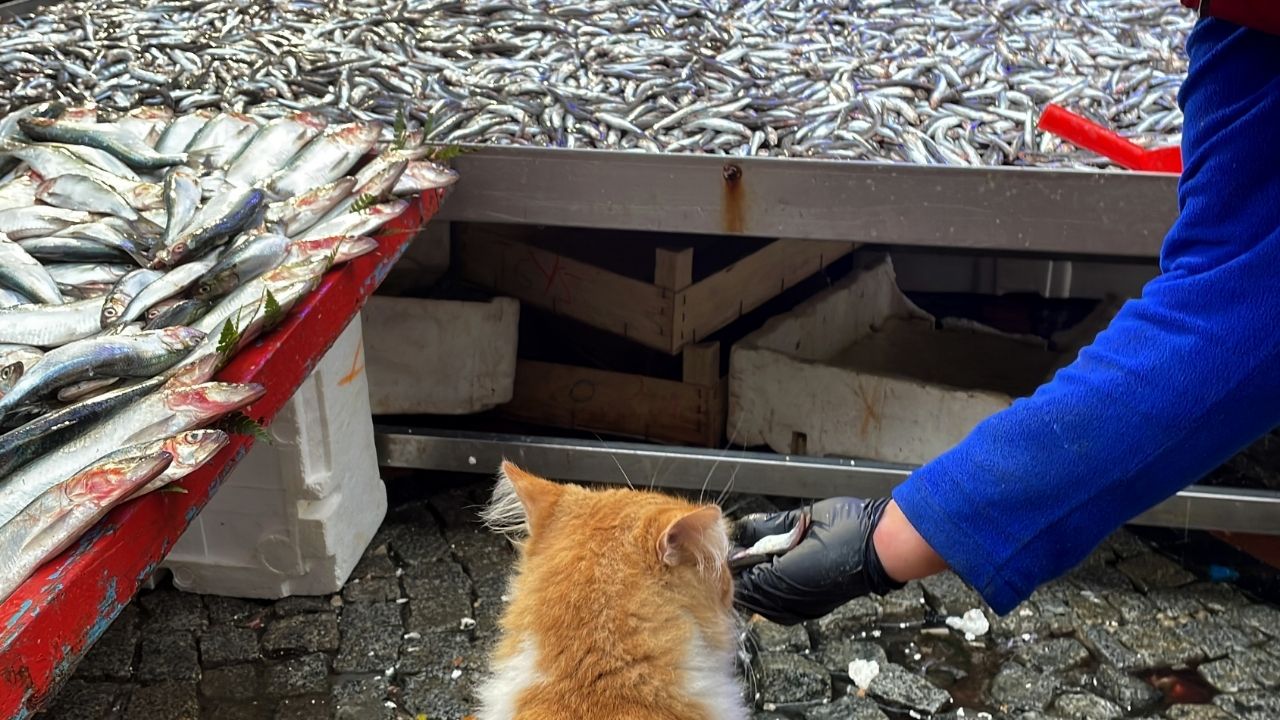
1183 378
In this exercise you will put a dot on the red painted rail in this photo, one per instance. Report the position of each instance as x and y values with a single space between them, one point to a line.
58 614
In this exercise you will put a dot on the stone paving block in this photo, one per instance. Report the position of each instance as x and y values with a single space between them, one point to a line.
227 644
899 686
1053 655
168 609
234 611
1217 597
439 597
947 594
164 701
835 656
846 708
371 634
434 697
1197 712
1125 544
169 655
1130 693
80 700
1159 646
1259 618
411 545
1110 650
1021 689
1251 704
371 590
906 605
1133 607
300 604
772 637
1150 570
848 620
233 682
236 709
1215 636
112 657
1090 608
439 654
306 675
1084 706
360 698
1099 579
376 562
1245 669
1174 604
305 708
1025 620
790 678
309 632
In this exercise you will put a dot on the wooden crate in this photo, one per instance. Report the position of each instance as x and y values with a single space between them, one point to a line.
667 314
689 411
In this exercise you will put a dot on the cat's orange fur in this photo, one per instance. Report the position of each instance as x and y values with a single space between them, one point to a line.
620 609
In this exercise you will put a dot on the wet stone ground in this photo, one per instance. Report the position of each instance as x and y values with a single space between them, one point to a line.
1129 634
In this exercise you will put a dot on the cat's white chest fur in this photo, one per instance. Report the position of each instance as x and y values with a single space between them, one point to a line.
708 677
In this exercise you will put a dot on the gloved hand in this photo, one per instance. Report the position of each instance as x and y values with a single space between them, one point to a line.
834 563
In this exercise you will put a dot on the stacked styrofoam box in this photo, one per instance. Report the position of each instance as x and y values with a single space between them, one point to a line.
295 515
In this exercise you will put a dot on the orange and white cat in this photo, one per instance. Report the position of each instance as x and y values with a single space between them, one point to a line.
621 607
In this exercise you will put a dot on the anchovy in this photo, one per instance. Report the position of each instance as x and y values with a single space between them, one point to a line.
77 192
224 216
241 264
50 325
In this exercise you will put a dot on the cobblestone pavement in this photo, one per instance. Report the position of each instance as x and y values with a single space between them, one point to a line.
1129 634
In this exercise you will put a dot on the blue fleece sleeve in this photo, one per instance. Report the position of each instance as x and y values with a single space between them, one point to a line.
1184 377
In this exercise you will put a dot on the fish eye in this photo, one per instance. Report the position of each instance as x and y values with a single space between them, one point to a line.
110 312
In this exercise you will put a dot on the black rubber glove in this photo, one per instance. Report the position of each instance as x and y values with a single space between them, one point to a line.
834 563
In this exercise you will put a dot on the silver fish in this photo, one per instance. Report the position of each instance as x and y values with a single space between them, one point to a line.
61 513
123 293
23 273
50 325
272 147
324 159
153 416
143 355
77 192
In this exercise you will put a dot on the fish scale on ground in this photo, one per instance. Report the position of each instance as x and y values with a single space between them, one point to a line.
102 304
777 78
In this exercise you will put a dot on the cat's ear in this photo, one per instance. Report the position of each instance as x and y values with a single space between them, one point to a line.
522 502
697 538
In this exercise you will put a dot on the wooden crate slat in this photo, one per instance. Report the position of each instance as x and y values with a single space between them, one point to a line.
636 310
617 403
718 300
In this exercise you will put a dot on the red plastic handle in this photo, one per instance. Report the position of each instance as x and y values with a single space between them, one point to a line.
1092 136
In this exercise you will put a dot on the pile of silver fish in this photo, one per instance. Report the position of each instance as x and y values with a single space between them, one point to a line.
920 81
138 253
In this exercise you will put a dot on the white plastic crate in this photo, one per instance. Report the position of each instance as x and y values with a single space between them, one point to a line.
295 516
440 357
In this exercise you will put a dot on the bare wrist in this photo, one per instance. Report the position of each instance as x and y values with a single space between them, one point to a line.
903 552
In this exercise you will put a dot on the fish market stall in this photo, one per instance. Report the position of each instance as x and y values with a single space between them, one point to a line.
689 98
166 283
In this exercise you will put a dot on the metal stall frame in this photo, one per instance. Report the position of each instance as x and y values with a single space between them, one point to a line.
1026 211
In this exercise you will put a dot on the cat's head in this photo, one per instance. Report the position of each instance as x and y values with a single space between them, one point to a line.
656 545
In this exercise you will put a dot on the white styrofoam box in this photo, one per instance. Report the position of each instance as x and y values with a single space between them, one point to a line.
860 371
440 357
295 515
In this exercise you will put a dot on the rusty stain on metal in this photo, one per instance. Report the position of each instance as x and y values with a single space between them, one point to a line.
731 202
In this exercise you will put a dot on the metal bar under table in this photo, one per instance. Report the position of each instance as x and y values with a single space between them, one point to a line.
1001 209
1197 507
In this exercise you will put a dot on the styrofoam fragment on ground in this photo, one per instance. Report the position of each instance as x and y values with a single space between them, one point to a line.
862 672
973 624
296 515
